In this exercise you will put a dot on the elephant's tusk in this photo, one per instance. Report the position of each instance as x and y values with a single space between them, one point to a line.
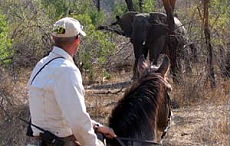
143 43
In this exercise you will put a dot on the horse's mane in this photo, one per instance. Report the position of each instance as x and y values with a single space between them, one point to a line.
140 82
137 110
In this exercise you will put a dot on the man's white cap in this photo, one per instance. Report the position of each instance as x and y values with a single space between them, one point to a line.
67 27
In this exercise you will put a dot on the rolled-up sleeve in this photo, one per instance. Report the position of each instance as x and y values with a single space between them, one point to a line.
69 94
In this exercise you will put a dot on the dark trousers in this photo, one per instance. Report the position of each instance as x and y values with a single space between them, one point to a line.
39 142
35 141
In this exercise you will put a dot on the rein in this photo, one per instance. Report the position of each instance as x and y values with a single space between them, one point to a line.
121 139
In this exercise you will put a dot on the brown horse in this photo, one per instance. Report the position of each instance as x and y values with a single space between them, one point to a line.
144 111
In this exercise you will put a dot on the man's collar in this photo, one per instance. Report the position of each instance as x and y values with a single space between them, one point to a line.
62 53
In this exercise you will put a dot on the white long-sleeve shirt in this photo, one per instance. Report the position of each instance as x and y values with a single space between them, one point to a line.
56 99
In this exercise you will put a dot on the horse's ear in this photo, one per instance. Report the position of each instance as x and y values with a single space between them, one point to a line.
164 67
142 65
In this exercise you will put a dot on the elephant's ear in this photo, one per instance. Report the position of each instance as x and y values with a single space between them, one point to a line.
142 65
164 67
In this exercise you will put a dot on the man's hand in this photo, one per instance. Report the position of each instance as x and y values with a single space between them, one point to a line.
108 132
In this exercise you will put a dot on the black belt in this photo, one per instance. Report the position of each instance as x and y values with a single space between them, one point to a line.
65 140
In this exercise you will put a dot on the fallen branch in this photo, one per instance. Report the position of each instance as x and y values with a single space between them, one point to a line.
110 92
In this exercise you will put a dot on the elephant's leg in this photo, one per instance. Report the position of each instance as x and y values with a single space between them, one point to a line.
156 49
145 51
173 53
138 51
135 72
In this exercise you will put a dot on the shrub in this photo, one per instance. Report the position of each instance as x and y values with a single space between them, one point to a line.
96 46
29 28
5 42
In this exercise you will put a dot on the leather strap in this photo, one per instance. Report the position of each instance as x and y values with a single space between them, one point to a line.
43 67
29 129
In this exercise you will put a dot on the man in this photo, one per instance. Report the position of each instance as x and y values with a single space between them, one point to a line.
56 93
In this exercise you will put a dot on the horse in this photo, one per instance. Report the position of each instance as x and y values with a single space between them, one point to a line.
144 112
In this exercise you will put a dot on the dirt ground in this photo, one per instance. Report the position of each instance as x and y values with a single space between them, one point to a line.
203 125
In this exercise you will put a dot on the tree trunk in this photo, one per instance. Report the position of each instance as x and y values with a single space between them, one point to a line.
98 5
211 73
169 6
130 5
172 3
227 66
141 3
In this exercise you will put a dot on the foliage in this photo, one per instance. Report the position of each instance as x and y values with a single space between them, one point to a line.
5 41
29 28
31 23
119 9
219 20
61 8
97 46
149 6
55 8
219 25
191 13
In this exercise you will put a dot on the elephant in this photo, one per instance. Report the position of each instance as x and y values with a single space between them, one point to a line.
149 34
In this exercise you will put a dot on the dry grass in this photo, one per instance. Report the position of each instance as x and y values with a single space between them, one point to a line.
204 125
13 87
195 89
213 133
13 101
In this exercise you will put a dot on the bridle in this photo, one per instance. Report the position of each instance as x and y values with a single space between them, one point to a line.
169 116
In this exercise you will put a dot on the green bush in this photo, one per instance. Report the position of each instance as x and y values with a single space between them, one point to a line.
149 6
96 46
55 8
31 23
5 42
119 9
29 28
